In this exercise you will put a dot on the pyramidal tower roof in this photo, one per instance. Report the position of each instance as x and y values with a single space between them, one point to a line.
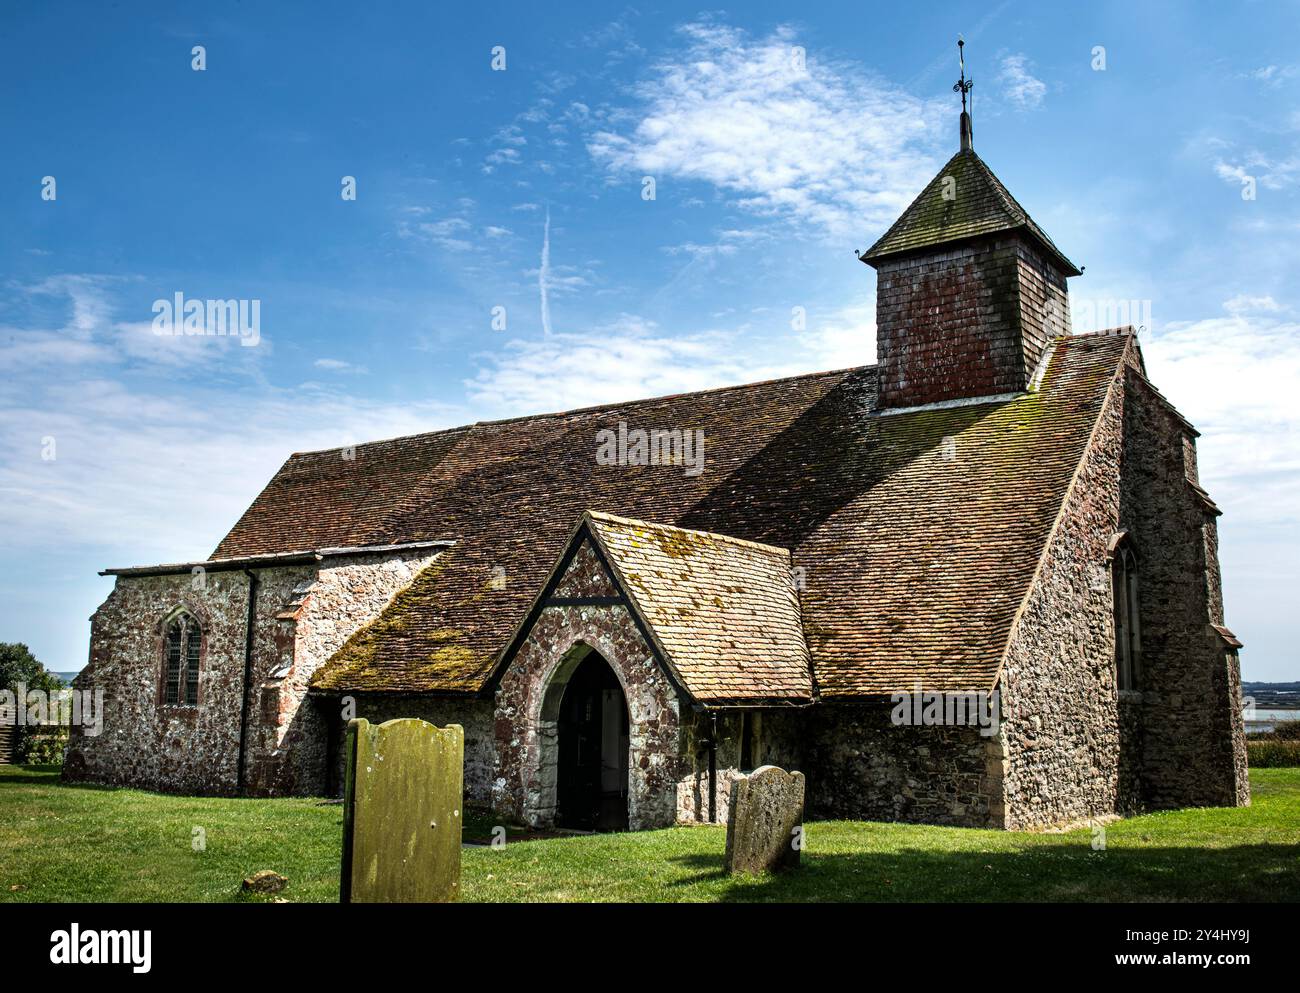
965 200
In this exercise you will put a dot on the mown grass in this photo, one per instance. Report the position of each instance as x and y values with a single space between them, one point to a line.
77 843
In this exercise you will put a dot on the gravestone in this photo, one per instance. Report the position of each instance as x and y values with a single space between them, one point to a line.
402 812
764 827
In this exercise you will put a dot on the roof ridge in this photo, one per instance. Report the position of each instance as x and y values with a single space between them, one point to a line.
601 515
1010 204
1119 331
557 414
672 396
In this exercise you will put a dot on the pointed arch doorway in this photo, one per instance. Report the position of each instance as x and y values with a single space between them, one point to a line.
592 748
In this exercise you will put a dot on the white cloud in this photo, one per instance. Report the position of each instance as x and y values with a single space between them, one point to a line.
90 335
829 145
154 457
447 233
143 475
1245 304
1019 85
544 276
338 365
844 338
1273 75
1234 377
1270 171
633 358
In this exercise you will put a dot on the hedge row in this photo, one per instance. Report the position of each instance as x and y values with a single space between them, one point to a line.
1273 754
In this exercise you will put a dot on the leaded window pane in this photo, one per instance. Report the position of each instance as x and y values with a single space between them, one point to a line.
172 693
192 667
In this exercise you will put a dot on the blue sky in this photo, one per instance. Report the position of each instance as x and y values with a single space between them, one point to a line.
376 314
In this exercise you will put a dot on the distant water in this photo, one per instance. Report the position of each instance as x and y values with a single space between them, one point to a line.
1267 720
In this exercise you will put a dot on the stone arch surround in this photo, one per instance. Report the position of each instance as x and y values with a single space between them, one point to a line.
527 705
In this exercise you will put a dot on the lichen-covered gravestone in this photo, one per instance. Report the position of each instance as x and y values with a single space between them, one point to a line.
402 812
764 826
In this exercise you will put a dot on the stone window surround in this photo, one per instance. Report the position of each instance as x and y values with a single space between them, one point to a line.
1121 552
181 710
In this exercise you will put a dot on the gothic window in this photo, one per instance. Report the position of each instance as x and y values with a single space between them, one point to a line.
182 641
1128 628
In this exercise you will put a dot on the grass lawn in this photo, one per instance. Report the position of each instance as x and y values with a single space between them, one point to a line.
78 843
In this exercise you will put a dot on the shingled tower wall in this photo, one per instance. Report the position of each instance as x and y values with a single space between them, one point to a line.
970 292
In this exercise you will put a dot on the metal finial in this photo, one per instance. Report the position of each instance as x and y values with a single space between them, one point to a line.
963 86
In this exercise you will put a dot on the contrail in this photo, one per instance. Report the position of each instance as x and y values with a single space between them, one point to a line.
544 274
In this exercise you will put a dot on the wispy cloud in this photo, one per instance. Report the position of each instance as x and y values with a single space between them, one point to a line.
632 358
1272 172
785 133
1273 75
104 453
89 334
1020 86
544 275
338 365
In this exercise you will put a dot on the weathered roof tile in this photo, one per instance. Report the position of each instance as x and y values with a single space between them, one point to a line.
965 200
723 610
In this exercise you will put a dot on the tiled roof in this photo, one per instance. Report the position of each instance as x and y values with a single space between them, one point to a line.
917 533
724 611
510 493
974 203
341 497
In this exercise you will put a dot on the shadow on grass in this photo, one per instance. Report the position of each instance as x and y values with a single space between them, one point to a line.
1247 873
33 775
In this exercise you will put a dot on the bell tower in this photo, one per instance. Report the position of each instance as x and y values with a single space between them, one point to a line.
969 290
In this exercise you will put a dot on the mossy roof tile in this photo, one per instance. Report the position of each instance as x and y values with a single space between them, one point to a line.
964 200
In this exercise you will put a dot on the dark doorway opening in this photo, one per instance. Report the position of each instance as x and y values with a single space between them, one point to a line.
591 778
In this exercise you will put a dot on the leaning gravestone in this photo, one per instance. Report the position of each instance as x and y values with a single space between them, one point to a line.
766 810
401 812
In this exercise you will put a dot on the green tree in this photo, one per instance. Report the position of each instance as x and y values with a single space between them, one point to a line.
19 665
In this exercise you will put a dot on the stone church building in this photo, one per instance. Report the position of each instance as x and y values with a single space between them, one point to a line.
997 511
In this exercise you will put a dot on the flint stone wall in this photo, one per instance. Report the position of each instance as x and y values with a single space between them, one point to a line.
289 748
777 740
302 614
474 714
1193 744
1069 756
181 749
863 766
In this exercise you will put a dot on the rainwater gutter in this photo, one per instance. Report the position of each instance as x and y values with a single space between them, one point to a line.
248 679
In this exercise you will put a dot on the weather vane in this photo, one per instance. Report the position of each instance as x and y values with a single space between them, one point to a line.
962 85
